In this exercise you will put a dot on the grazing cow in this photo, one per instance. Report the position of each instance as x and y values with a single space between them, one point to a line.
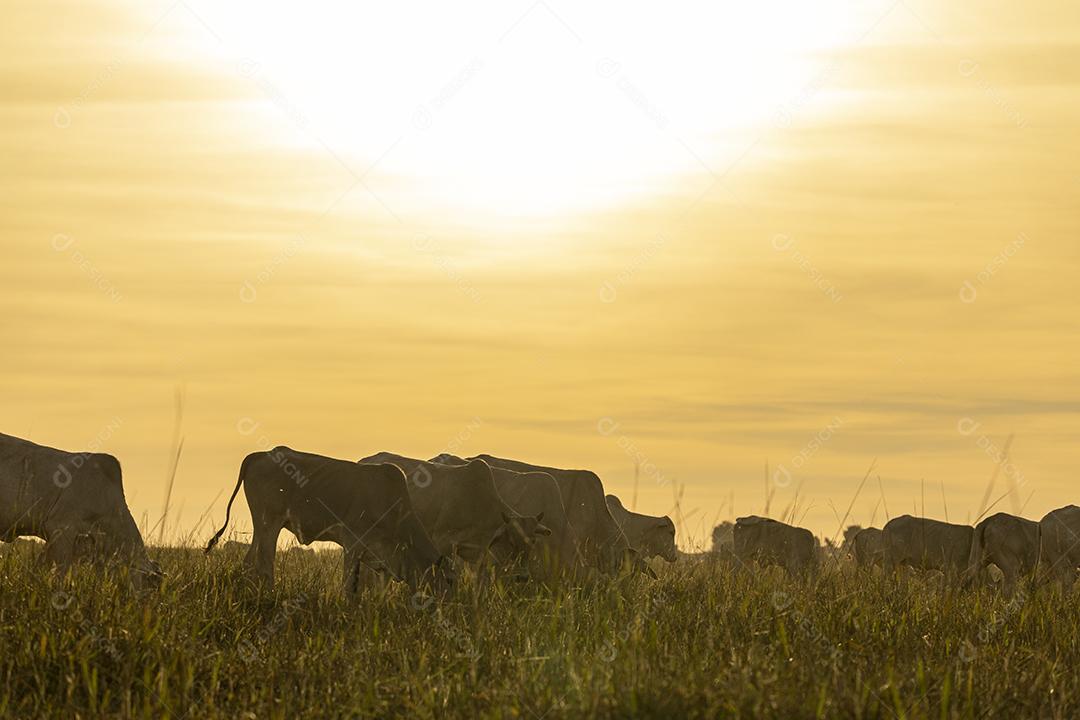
1059 549
600 542
1008 541
868 548
723 535
363 508
74 502
771 542
648 534
927 544
535 493
532 493
463 512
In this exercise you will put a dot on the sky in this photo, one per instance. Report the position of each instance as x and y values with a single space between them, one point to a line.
758 254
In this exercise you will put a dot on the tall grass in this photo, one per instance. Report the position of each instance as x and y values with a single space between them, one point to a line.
701 641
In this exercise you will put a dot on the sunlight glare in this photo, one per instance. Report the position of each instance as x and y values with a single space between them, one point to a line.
530 110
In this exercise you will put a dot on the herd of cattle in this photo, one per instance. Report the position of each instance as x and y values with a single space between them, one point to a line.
415 520
1046 550
421 520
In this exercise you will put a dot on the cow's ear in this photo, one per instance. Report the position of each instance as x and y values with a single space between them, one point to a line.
540 517
506 518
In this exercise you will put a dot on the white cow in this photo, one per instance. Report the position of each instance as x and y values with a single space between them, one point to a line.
74 502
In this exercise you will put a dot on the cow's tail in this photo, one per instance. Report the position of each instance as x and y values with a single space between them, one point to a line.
975 557
228 508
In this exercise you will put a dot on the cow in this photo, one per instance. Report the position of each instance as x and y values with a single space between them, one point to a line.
1059 547
927 544
365 509
868 548
1008 541
650 535
771 542
464 514
530 493
600 543
74 501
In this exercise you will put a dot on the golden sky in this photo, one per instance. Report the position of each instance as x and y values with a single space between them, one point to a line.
701 239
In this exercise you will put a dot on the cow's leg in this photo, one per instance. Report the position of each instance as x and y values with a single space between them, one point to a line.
974 575
260 556
60 549
1008 581
351 575
359 572
1010 565
1066 575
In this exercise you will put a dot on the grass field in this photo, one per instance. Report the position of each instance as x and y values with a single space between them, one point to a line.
698 642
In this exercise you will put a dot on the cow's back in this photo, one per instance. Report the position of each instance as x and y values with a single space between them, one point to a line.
597 533
1016 536
772 542
39 484
1059 530
310 487
926 543
867 546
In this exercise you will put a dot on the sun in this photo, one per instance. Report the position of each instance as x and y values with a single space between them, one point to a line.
526 111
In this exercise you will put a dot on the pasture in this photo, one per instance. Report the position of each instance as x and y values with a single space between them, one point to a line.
700 641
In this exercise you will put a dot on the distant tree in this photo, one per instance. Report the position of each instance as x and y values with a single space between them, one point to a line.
723 534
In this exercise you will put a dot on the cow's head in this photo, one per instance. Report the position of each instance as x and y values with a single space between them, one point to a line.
113 542
513 541
659 540
108 532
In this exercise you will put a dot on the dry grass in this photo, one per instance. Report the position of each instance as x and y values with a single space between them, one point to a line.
699 642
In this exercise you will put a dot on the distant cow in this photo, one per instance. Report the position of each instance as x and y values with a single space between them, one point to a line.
1008 541
868 548
648 534
1059 553
600 541
363 508
234 546
464 513
771 542
927 544
74 502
